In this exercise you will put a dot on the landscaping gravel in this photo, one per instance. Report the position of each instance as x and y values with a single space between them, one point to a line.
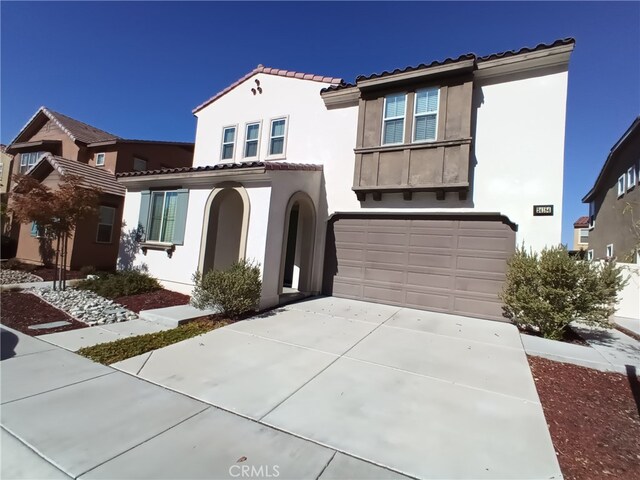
87 307
17 276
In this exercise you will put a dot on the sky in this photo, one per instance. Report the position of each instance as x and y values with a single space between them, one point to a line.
137 69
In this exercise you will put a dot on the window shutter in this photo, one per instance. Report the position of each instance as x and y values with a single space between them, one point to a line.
181 216
143 216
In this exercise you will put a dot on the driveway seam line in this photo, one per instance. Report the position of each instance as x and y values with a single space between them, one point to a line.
30 447
145 362
58 388
144 441
28 354
286 343
335 452
322 370
337 316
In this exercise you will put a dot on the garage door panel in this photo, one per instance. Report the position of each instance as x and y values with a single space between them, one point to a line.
448 265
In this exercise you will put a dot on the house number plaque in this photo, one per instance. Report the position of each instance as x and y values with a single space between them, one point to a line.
542 210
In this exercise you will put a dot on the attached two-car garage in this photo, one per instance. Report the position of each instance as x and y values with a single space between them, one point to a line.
446 263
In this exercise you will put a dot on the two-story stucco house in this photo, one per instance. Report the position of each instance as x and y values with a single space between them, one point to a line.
614 202
52 144
409 187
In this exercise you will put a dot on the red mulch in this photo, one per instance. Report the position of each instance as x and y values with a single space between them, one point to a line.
19 310
569 336
158 299
593 417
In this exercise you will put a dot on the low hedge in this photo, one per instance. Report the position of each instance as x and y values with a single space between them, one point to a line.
120 284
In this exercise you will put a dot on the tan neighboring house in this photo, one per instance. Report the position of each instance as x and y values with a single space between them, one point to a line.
52 144
581 234
614 202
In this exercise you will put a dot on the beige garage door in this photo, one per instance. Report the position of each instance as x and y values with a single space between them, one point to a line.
452 264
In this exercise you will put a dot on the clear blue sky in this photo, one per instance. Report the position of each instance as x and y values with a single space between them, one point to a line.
137 69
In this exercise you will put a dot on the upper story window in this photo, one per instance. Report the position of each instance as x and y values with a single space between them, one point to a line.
251 140
277 136
592 215
28 160
425 122
106 218
100 159
584 235
228 142
393 121
631 178
610 250
139 165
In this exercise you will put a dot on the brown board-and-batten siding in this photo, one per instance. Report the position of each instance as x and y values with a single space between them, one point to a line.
453 263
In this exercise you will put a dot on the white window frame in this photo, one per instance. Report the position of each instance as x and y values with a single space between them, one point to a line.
609 251
416 115
592 215
104 157
590 254
620 184
162 217
146 164
110 224
403 117
284 137
235 141
246 131
25 160
631 178
580 235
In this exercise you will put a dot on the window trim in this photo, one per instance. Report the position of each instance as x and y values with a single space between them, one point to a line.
416 115
284 137
590 254
235 141
631 172
609 255
580 235
592 215
146 164
162 219
621 184
104 158
384 120
111 225
246 131
36 155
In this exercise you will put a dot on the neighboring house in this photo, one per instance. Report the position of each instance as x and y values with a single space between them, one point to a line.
614 202
5 178
409 187
581 234
75 147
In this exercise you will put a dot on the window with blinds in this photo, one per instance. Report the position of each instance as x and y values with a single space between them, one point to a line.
425 121
394 112
251 140
228 142
162 217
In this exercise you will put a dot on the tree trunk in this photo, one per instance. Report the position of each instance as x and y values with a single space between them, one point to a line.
64 263
55 269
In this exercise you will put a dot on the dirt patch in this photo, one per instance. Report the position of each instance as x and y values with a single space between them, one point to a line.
19 310
147 301
593 417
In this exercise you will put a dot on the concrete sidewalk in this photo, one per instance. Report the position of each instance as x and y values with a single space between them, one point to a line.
64 416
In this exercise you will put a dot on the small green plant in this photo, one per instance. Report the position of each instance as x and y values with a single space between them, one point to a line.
547 291
108 353
233 291
120 284
15 264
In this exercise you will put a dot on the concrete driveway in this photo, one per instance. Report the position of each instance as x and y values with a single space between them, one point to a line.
421 394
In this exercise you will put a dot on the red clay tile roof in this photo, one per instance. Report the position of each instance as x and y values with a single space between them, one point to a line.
468 56
269 71
92 176
224 166
582 222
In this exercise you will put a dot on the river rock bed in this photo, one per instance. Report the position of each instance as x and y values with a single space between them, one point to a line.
87 306
17 276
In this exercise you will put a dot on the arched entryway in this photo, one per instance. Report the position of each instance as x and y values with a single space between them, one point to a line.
299 236
224 233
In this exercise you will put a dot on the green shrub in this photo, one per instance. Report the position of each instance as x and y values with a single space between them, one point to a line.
233 291
120 284
15 264
546 292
